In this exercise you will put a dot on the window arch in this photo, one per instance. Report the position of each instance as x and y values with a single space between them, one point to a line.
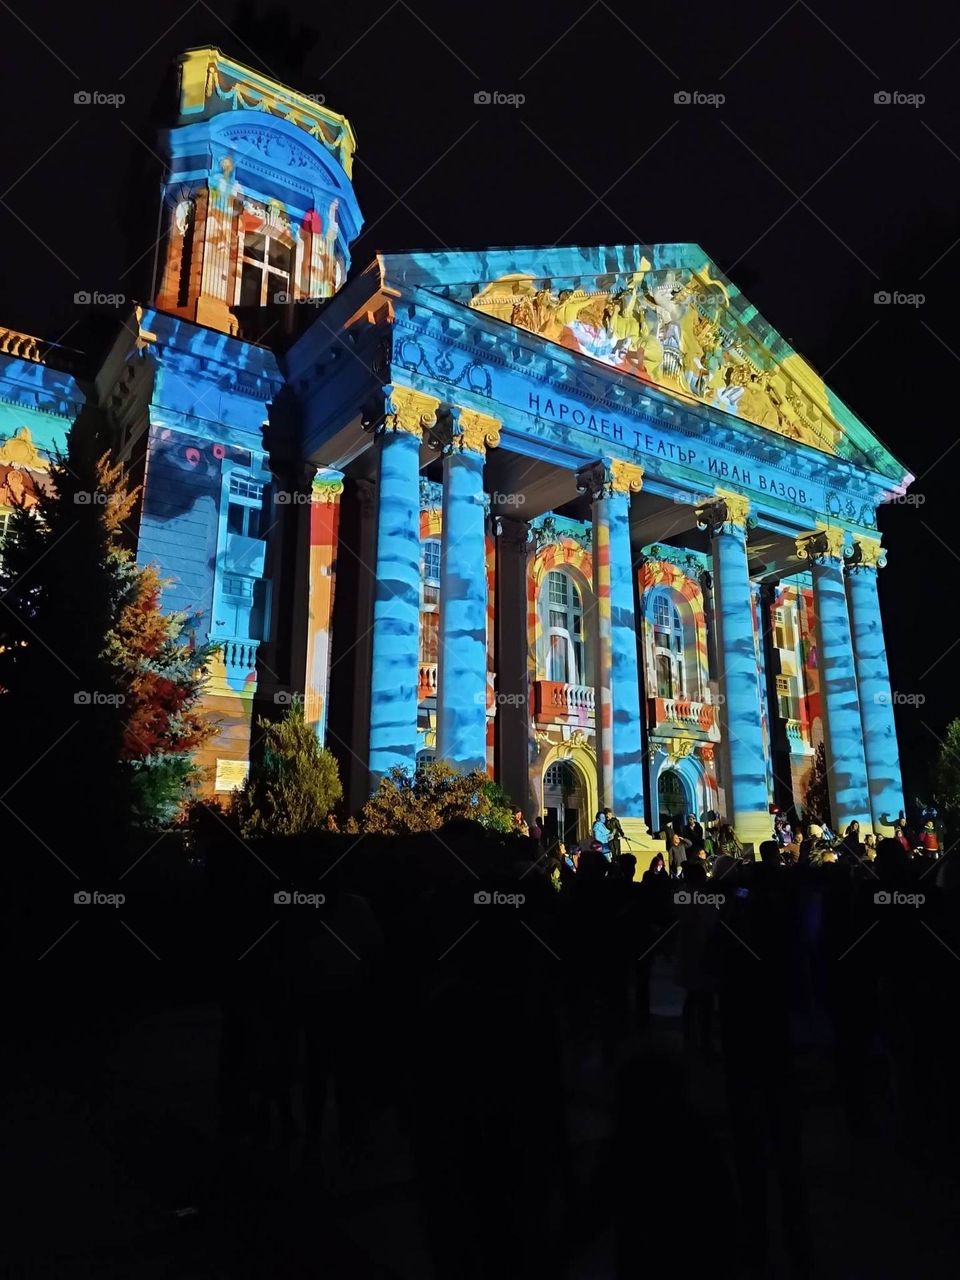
562 604
674 660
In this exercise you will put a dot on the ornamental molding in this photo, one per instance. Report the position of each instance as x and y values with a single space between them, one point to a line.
476 431
406 410
327 486
609 477
412 338
825 544
866 553
723 513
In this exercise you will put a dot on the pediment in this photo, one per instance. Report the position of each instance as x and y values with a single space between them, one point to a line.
666 316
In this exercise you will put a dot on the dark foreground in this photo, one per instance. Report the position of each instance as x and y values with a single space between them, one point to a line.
405 1082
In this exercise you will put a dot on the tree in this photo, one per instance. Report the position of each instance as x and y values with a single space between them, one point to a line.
99 686
293 786
434 794
947 772
164 674
816 793
62 697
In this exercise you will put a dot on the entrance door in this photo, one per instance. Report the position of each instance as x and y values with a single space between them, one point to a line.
563 799
672 799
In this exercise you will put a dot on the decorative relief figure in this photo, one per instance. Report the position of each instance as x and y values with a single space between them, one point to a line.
673 328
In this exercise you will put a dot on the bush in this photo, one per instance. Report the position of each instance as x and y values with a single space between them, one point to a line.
295 784
410 803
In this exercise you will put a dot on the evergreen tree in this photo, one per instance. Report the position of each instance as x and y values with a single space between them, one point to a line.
98 686
293 786
434 794
947 772
61 696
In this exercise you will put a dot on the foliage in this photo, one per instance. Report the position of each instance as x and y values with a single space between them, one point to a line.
816 793
947 771
97 681
293 786
436 793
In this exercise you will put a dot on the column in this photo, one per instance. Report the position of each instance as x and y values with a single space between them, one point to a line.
884 783
741 726
620 751
321 580
212 305
843 730
512 725
396 604
463 436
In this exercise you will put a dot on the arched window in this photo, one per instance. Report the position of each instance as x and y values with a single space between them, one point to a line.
668 648
564 629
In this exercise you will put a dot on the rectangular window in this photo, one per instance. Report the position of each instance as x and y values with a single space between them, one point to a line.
661 612
558 589
431 561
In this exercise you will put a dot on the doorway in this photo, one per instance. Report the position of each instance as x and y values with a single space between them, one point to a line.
564 798
672 801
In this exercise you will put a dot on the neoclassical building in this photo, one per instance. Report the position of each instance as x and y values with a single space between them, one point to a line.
578 517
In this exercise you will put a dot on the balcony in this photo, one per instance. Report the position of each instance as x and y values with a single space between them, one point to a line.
427 681
698 718
564 703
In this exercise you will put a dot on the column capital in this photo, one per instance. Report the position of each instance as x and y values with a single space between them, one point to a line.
406 410
459 430
726 508
514 532
867 553
327 485
609 476
826 543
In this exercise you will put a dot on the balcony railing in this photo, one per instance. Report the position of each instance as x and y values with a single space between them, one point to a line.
685 712
554 700
240 656
427 681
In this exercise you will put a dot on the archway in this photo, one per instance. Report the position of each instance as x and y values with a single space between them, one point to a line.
569 796
673 799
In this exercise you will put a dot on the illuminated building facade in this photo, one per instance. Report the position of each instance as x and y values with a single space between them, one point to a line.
576 516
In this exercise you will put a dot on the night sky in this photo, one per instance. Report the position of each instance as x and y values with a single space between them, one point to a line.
811 196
